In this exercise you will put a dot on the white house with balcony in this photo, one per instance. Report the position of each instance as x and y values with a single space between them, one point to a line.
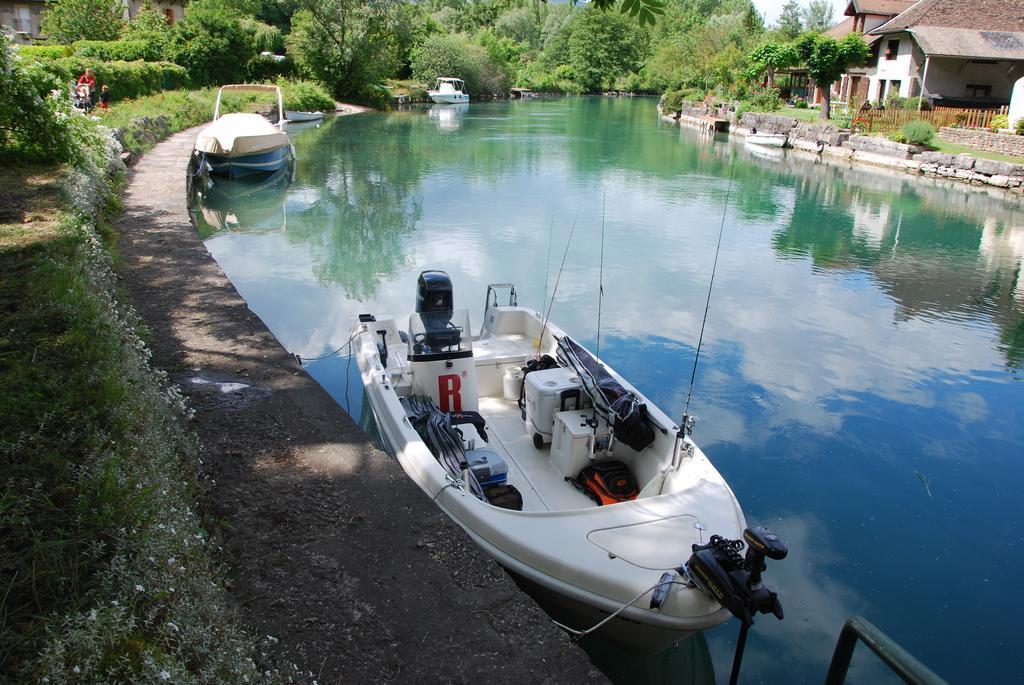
956 53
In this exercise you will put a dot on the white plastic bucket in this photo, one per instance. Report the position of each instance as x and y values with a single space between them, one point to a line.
512 382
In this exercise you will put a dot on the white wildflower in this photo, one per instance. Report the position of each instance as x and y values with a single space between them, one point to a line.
76 669
139 588
164 675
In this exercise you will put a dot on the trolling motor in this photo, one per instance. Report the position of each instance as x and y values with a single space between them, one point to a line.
734 581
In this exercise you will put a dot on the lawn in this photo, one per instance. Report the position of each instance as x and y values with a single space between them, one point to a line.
812 116
956 149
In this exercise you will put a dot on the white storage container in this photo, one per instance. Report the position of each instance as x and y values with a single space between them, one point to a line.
576 443
547 393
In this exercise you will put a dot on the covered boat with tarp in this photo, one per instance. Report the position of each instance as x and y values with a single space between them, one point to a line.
244 143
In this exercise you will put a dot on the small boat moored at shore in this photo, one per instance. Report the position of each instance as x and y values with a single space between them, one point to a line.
301 117
554 464
243 143
767 139
449 91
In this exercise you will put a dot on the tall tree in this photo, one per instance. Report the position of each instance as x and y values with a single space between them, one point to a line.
791 22
66 21
602 47
768 57
818 15
827 59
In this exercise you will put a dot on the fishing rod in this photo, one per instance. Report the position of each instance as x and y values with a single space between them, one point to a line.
600 281
547 264
558 279
600 301
686 423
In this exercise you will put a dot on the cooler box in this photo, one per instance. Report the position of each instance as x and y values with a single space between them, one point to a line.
488 466
547 393
576 443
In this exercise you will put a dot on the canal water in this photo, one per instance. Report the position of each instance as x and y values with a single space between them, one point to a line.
860 381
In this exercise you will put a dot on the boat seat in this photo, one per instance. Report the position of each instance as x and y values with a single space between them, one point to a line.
500 351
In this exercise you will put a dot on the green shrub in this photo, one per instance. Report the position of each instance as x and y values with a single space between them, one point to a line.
47 51
66 21
918 132
448 55
266 68
764 100
118 50
998 122
212 43
305 96
801 104
125 79
35 123
674 100
1020 127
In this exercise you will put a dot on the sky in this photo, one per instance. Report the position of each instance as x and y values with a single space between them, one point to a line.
771 8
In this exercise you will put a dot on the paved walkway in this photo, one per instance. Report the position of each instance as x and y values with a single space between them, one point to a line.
330 548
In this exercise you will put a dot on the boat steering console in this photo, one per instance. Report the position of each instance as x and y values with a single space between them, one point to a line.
734 581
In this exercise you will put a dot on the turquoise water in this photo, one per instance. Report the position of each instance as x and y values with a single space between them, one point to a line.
860 380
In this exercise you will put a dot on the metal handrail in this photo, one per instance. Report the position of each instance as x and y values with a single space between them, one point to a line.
255 87
899 660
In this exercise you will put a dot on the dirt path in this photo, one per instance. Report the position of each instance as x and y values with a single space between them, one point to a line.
331 550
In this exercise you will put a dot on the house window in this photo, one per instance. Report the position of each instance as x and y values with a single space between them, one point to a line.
978 91
892 49
169 15
23 20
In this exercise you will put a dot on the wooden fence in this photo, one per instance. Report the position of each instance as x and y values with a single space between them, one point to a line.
877 121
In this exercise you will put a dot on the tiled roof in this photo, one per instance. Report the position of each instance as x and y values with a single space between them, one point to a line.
947 42
840 29
975 15
889 7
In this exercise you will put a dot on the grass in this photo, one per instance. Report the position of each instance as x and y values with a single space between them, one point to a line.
957 149
812 116
103 562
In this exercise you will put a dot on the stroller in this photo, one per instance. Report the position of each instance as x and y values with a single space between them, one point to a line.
81 100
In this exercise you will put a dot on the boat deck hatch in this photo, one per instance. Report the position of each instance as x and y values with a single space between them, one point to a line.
659 544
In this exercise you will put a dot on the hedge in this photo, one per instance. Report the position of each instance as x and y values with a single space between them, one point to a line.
118 50
125 79
47 51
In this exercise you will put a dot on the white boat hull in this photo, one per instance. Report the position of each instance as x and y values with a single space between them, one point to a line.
448 98
588 561
767 139
298 117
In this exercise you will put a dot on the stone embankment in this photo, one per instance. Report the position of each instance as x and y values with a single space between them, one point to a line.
336 560
827 140
1002 143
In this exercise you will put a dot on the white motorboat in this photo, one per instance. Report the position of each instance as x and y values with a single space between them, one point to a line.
533 457
449 91
295 116
767 139
243 143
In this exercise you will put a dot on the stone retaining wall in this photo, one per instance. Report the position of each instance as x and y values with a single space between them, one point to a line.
795 129
882 146
983 140
825 139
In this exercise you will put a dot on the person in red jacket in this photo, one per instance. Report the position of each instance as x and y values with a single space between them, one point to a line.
88 79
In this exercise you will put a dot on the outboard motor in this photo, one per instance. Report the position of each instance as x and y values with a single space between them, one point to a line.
734 581
441 346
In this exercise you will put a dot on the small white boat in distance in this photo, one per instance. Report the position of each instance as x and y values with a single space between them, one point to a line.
767 139
449 91
569 477
244 143
296 116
